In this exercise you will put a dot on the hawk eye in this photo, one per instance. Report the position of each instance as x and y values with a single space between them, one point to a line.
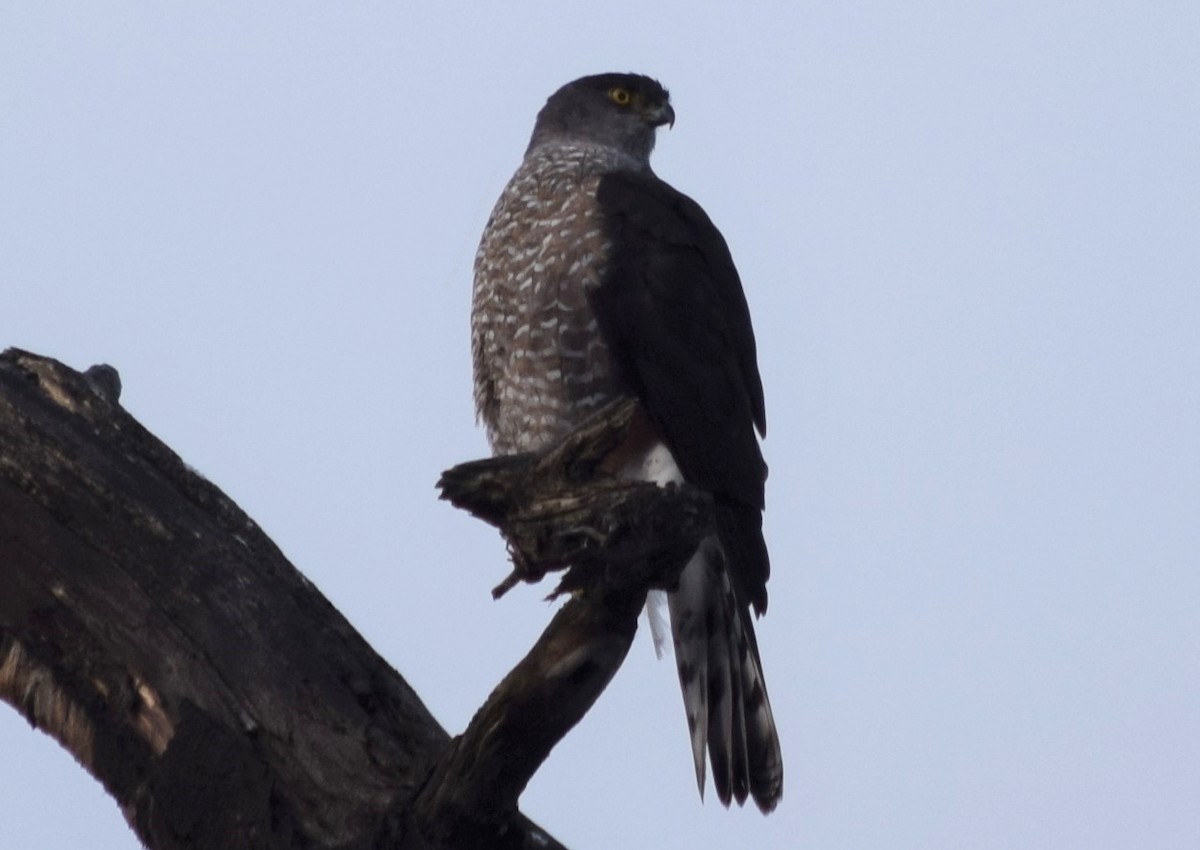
620 96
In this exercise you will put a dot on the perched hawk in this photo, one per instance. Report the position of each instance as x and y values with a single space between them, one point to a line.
595 279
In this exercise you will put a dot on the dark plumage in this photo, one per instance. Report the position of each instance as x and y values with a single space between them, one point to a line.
672 310
596 279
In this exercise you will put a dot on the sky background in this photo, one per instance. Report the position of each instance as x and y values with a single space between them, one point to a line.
970 238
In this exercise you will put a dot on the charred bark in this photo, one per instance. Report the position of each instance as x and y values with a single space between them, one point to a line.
152 628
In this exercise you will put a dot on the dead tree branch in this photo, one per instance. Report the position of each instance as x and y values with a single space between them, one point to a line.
152 628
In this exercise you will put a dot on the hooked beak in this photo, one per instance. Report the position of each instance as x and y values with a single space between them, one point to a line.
660 114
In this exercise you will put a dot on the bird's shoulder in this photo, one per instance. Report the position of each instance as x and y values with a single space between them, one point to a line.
667 249
641 200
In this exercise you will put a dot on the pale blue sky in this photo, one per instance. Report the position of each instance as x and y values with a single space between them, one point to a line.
970 238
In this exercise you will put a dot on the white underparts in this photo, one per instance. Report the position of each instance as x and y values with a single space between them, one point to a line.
657 464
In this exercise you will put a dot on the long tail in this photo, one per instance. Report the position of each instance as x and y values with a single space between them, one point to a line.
724 691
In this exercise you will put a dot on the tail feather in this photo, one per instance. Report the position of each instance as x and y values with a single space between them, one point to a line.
740 755
722 696
688 631
727 737
720 673
762 739
724 691
656 618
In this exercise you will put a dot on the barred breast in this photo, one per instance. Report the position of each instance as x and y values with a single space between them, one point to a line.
540 363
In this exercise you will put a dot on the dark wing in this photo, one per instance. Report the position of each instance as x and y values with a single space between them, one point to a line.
672 310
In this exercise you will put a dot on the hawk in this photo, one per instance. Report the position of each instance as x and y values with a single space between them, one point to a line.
594 280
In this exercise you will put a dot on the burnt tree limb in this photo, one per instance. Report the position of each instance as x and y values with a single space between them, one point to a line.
152 628
562 509
616 539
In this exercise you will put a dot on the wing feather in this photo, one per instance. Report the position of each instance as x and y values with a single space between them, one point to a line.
674 315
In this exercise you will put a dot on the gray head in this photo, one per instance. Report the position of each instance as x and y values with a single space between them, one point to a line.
620 111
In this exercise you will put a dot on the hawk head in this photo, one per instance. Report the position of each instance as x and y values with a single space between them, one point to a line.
620 111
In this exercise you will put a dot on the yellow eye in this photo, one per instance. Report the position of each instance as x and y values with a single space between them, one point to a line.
620 96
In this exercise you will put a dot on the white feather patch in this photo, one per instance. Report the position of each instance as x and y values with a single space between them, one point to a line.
656 618
657 465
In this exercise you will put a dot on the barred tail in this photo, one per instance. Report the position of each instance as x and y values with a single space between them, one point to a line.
724 691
